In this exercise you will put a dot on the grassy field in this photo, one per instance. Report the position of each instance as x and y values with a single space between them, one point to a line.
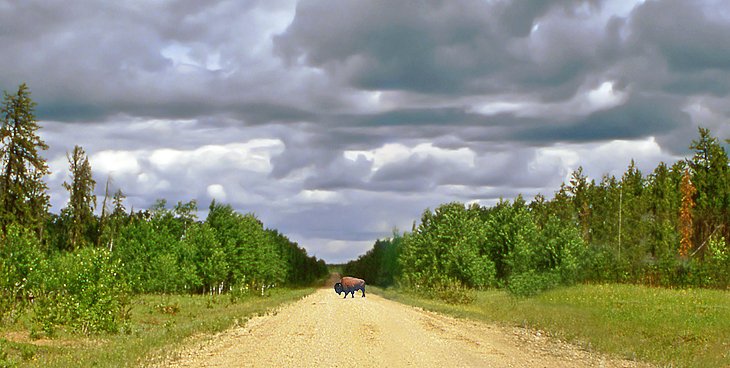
681 328
159 323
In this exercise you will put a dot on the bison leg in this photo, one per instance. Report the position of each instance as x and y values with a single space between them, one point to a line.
363 292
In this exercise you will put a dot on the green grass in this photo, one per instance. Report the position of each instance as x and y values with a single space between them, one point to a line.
682 328
159 324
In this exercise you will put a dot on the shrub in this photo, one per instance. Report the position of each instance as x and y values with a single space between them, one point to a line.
717 262
20 260
85 291
455 293
531 283
450 290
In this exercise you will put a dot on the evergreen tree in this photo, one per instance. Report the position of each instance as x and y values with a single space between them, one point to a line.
82 200
711 178
664 201
633 230
685 214
605 202
116 220
23 197
579 189
103 231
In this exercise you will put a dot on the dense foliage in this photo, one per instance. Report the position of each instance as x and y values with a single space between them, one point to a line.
667 228
79 269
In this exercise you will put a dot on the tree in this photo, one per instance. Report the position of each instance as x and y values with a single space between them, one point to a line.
685 214
634 244
118 201
447 247
82 200
102 232
23 197
579 189
114 222
605 203
212 266
711 178
254 260
663 199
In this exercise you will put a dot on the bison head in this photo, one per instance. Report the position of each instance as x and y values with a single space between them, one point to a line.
338 288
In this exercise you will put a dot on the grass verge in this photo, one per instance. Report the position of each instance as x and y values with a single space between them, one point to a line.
682 328
159 323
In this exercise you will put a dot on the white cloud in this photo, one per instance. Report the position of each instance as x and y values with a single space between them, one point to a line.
597 159
116 162
498 107
254 155
318 196
397 152
604 97
217 192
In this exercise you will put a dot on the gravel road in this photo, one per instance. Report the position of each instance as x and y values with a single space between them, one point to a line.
324 330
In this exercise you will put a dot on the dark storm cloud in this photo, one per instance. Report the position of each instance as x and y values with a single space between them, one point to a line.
672 46
420 117
87 61
689 36
436 46
639 117
518 17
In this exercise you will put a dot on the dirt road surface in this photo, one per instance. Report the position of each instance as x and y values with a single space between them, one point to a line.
324 330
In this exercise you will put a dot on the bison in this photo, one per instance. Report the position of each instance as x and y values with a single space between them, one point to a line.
350 285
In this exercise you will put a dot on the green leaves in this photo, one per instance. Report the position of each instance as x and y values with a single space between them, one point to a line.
85 290
20 271
448 243
254 258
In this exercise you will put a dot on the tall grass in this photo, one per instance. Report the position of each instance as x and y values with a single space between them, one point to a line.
686 328
158 324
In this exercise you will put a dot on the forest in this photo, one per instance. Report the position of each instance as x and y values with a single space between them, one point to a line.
80 267
667 228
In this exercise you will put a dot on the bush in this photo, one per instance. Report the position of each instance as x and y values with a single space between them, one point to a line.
450 290
85 291
20 260
717 262
455 293
531 283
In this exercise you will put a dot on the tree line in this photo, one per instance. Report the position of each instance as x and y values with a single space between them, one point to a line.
79 269
666 228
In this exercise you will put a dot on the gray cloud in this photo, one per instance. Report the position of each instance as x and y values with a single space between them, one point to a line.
690 36
438 47
639 117
335 121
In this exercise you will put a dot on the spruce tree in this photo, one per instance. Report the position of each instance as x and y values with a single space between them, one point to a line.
685 215
711 176
23 193
82 200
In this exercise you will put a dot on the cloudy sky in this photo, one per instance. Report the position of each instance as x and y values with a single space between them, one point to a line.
335 121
